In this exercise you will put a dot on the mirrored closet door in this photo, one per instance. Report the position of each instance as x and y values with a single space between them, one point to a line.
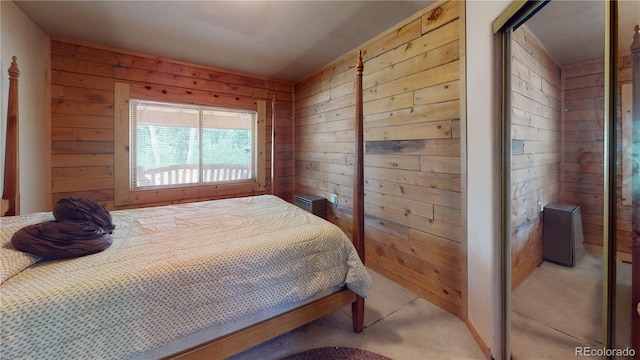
568 178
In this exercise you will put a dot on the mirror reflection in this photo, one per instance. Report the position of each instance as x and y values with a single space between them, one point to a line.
558 180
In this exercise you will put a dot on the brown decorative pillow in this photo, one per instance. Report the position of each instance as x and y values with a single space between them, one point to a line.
61 239
83 209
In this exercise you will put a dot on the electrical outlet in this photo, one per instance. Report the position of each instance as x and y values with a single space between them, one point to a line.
334 199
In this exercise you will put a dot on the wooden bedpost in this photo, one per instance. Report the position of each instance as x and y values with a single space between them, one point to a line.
274 149
635 198
357 308
358 178
10 191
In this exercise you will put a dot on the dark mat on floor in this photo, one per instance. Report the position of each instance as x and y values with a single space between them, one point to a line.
335 353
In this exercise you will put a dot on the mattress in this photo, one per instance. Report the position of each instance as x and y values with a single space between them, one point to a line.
173 274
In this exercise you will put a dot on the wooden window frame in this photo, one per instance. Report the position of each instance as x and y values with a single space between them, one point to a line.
125 196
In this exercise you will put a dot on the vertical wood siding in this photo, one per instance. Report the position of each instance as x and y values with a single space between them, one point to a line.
82 110
536 147
413 194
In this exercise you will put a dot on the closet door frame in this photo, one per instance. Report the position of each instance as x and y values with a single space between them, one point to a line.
515 15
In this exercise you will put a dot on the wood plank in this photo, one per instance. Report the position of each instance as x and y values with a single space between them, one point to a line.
81 184
430 130
441 164
405 207
448 279
438 93
426 194
59 133
81 108
80 66
448 215
393 161
82 172
438 75
448 110
412 58
81 121
439 16
391 40
92 134
433 180
81 147
390 103
244 339
436 147
72 160
180 95
79 50
82 94
442 296
81 80
131 75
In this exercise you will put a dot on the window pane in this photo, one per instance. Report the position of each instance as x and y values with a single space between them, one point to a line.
167 151
176 144
227 144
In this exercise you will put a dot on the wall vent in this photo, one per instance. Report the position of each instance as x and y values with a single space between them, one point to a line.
314 204
562 236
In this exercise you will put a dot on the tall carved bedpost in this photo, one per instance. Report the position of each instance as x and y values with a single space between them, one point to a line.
10 191
358 186
635 190
274 149
358 192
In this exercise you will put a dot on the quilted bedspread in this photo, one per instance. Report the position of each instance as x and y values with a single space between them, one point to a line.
171 271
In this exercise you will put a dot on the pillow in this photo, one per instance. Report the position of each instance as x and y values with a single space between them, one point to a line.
83 209
13 261
61 239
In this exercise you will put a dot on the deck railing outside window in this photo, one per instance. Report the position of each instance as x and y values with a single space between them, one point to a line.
189 174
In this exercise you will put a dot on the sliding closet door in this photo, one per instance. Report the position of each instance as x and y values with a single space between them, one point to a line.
627 317
561 197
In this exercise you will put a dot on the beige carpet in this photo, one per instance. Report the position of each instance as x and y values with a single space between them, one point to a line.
558 308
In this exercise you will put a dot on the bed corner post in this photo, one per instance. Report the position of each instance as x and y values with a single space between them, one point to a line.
357 308
10 192
274 149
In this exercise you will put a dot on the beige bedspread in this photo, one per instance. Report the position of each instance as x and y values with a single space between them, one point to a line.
171 271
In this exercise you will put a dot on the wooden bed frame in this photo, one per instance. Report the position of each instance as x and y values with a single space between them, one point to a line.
249 337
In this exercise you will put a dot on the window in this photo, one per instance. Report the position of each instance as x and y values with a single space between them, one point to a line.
168 149
176 145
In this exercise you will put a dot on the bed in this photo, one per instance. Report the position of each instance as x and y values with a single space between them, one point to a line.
195 280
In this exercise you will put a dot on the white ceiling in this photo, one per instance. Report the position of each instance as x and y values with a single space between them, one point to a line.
290 39
279 39
573 31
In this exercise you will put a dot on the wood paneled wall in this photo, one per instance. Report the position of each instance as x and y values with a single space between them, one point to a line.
82 110
583 167
413 192
624 218
584 149
536 147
